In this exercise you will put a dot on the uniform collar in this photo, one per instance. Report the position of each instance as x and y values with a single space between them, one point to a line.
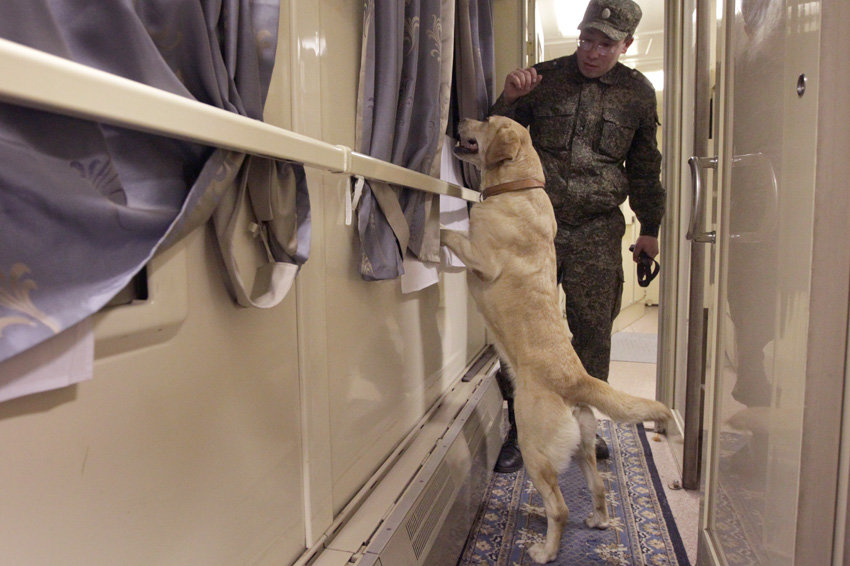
614 76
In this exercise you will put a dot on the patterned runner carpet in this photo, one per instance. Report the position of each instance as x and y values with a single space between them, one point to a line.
642 531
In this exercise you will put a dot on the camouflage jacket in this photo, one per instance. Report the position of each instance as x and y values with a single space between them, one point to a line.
596 139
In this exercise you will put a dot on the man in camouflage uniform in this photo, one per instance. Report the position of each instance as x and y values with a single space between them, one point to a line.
593 121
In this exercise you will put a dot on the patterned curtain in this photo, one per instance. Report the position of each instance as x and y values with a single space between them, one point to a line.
84 206
474 68
402 111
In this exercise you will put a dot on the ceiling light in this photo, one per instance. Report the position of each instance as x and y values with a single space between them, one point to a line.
568 15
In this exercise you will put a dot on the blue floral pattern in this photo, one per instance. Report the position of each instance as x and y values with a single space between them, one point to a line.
641 530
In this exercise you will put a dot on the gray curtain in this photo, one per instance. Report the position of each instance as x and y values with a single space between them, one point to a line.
84 206
402 111
474 68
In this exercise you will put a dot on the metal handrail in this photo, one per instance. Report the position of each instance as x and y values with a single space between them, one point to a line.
47 82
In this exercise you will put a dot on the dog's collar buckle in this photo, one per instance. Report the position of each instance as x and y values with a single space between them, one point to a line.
520 185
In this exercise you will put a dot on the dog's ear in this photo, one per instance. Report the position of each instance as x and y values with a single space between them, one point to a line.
504 145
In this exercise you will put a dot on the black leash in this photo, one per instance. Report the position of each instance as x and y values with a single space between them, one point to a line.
647 268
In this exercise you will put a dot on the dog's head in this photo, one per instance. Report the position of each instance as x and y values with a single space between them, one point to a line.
498 146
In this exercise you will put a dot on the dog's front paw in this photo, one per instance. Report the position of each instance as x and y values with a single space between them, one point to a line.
540 555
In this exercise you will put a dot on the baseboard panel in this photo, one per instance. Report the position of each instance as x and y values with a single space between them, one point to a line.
428 522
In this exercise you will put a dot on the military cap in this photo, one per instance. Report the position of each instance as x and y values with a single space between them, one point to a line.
617 19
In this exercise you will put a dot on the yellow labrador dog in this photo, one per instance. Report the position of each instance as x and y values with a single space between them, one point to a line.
510 259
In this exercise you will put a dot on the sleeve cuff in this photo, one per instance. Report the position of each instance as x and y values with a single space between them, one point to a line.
647 230
500 107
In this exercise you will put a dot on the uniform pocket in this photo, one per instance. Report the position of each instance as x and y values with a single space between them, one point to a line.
618 130
553 125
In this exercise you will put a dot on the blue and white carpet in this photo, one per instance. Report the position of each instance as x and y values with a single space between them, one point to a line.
642 529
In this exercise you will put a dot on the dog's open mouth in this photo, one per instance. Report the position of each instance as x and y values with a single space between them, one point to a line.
466 146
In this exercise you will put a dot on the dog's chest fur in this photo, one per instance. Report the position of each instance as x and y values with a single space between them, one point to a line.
518 228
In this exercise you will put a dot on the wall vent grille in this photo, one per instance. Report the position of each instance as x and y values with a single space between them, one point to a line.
428 522
421 522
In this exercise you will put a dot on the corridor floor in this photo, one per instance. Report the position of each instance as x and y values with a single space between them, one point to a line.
638 378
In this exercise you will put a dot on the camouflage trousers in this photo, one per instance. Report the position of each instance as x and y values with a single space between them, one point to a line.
590 269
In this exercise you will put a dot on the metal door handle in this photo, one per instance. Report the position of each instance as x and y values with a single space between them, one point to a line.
697 164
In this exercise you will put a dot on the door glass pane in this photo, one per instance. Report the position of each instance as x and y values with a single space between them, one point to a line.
763 321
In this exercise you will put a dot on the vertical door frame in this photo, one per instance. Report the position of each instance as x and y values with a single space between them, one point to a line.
701 252
708 549
669 307
677 123
530 53
822 502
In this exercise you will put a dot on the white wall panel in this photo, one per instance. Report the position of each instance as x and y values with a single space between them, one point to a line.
239 436
388 356
185 452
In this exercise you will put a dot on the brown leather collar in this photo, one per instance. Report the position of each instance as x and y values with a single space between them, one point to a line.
512 186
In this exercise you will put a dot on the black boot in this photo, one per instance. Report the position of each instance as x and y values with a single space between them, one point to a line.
602 452
510 458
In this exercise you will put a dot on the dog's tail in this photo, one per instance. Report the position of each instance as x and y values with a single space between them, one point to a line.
619 406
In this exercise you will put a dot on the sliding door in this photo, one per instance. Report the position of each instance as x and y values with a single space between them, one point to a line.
774 391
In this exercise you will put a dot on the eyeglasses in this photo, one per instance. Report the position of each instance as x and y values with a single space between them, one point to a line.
602 48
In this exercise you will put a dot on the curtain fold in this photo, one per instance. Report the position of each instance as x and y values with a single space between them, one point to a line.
474 68
83 206
402 110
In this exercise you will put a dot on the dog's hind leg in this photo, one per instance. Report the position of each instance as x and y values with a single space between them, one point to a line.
544 476
587 462
548 434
